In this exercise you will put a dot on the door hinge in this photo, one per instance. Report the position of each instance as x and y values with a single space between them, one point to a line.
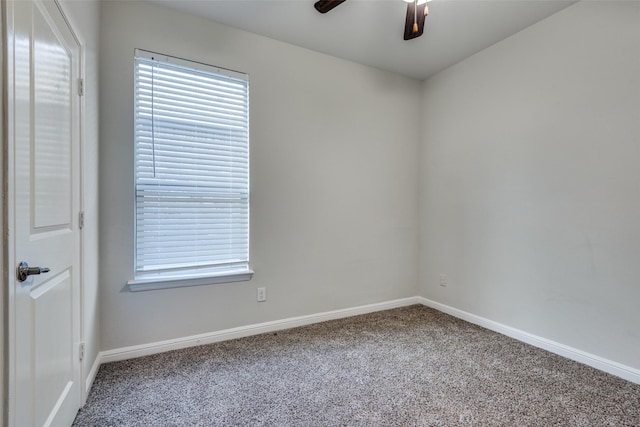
80 87
81 351
81 220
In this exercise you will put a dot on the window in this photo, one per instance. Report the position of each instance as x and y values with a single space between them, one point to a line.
191 173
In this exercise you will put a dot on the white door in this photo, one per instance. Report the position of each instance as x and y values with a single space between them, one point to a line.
43 200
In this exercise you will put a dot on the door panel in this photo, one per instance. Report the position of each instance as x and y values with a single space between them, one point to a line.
52 62
44 186
52 306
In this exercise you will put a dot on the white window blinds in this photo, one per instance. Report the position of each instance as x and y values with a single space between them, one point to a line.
191 167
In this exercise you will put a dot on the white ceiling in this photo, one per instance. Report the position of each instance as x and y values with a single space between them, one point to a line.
370 32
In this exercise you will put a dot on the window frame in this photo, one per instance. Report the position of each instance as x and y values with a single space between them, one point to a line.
195 276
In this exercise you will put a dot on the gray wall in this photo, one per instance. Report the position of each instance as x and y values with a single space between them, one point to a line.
84 18
334 180
530 184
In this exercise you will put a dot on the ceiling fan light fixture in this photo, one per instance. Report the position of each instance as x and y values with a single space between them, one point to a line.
417 11
415 17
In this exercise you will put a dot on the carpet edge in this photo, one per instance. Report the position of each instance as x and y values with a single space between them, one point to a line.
609 366
625 372
131 352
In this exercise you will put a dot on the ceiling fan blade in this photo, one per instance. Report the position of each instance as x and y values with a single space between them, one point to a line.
414 23
324 6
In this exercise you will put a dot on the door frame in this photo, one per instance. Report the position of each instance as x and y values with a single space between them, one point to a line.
4 281
7 248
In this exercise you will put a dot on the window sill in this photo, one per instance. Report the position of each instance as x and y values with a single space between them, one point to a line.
153 283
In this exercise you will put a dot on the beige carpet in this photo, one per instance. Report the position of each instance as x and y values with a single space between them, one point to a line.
412 366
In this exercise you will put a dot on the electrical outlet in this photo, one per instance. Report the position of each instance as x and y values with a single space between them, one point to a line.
443 280
261 294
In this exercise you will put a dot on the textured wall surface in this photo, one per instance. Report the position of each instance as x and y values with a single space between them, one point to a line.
529 194
334 180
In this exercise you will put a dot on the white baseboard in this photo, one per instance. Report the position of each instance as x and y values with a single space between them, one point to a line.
611 367
622 371
91 376
245 331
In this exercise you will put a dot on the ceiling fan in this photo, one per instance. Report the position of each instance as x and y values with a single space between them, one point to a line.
417 10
